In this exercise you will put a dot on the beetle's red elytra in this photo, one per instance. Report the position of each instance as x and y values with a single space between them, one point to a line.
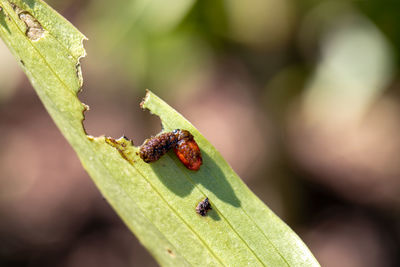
183 143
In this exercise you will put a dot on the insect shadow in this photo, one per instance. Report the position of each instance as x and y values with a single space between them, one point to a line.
182 181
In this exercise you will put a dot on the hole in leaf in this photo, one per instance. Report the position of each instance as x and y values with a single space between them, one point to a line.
34 30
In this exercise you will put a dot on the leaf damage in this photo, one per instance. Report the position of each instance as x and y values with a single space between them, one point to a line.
124 146
34 30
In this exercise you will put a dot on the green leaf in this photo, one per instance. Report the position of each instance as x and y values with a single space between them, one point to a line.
157 201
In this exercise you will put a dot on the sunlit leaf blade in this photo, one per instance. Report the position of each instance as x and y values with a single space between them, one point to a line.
157 201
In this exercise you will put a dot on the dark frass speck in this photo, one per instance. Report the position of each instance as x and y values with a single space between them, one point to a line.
203 207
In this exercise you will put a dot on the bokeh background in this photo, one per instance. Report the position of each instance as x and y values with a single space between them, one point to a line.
301 97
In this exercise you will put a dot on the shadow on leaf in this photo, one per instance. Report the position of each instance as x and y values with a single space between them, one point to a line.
181 181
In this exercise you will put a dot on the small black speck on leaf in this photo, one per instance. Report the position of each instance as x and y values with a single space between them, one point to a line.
203 207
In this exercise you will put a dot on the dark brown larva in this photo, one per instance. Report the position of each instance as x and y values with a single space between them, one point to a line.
181 141
203 207
155 147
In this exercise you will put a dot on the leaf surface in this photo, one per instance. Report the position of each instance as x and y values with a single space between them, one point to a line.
156 201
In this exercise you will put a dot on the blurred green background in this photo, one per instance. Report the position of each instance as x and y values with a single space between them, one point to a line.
301 98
